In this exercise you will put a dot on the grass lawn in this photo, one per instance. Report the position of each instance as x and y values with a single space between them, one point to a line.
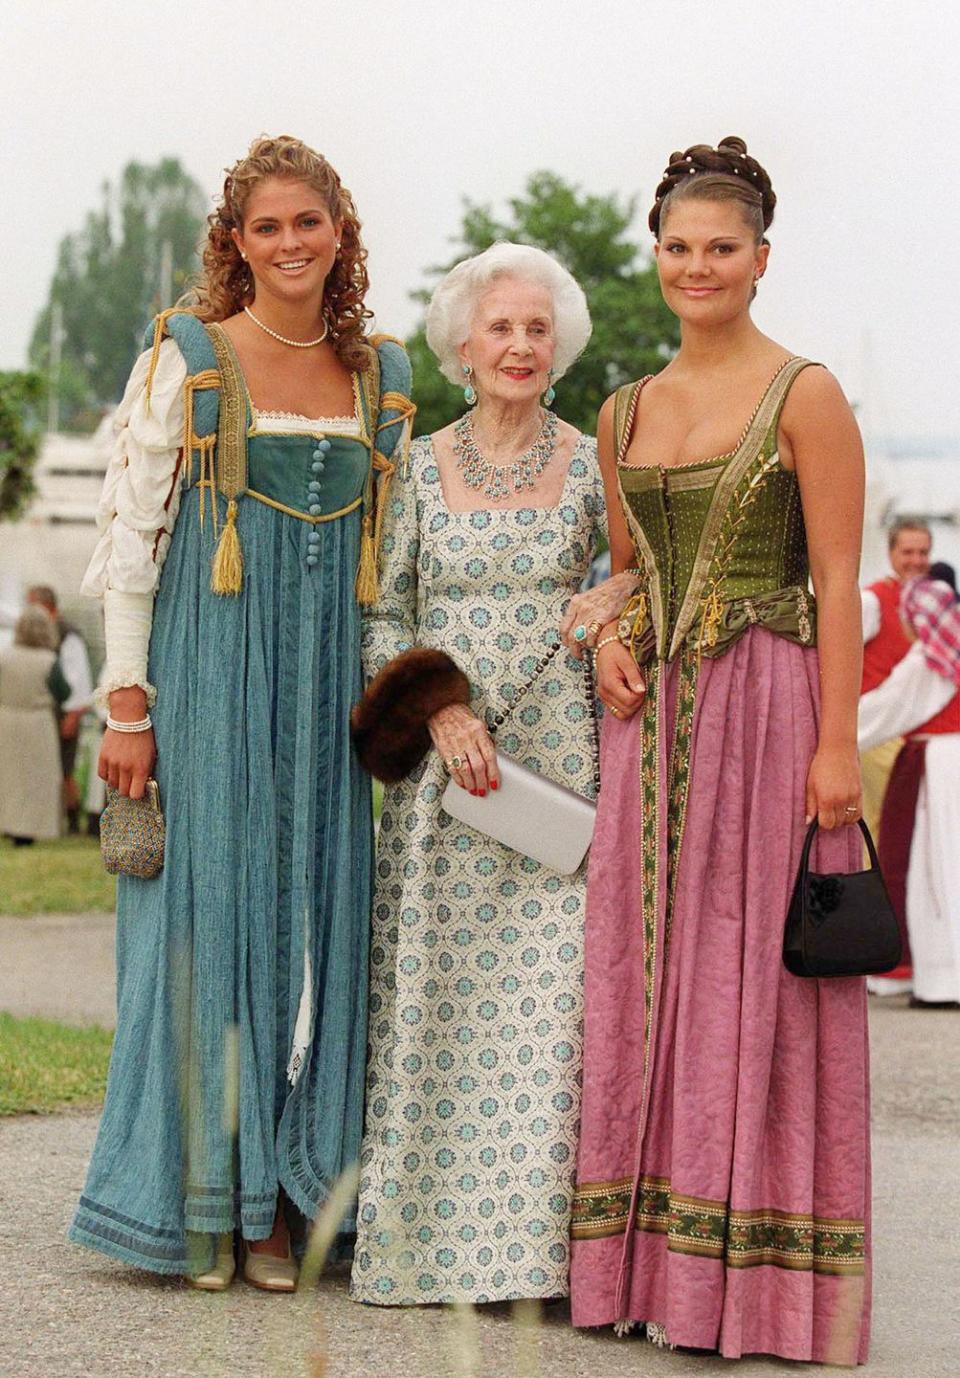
46 1066
61 877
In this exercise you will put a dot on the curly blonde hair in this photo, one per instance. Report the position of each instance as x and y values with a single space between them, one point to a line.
225 285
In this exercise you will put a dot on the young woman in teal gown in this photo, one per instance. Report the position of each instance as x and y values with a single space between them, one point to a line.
238 521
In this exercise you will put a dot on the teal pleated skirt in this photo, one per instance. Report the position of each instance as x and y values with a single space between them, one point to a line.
267 875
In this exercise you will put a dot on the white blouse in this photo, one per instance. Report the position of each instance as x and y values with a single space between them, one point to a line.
910 695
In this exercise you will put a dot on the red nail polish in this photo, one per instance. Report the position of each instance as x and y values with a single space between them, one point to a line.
494 784
482 793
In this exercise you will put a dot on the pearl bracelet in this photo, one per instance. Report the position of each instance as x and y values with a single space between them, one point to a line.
605 641
143 725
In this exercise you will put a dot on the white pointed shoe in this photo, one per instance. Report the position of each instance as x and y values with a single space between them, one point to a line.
270 1273
220 1276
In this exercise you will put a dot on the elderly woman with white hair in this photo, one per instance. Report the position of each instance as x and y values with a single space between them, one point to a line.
473 1078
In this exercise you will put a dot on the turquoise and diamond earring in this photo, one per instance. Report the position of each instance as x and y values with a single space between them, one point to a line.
469 392
551 391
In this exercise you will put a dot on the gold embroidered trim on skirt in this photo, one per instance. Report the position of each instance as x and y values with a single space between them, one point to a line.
710 1229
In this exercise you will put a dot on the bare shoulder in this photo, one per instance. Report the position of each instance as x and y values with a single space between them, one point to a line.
235 326
813 391
817 425
568 437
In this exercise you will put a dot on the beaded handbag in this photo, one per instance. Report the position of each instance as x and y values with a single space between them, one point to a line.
133 833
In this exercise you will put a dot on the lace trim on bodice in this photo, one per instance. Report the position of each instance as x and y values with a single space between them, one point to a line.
294 423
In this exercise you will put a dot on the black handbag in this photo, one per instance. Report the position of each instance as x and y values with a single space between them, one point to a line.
840 925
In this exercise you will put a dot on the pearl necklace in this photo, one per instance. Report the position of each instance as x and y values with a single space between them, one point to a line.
478 472
295 344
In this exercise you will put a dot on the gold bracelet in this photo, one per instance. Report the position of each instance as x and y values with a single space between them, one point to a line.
605 641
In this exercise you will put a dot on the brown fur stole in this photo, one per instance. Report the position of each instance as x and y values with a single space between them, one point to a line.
389 724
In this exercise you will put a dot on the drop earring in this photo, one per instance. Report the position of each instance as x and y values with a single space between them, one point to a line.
469 392
551 391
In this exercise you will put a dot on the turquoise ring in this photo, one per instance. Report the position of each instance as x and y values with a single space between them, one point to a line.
580 633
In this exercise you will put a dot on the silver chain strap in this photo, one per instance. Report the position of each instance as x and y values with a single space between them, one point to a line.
497 720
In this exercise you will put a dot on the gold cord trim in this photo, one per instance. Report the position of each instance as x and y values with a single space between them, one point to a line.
159 327
304 516
290 511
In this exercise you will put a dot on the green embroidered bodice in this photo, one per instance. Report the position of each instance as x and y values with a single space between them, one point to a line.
722 542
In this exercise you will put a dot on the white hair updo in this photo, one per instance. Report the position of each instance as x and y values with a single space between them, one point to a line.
454 303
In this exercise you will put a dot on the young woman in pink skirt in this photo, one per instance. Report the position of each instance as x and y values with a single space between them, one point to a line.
723 1194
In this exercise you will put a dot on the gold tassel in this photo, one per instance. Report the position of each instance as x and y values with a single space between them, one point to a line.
712 617
368 585
227 574
639 620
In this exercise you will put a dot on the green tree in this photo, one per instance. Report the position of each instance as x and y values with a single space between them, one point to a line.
633 332
133 257
20 398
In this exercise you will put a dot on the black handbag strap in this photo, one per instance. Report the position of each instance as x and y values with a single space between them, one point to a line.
812 832
498 719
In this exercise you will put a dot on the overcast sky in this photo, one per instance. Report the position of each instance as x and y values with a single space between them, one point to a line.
852 105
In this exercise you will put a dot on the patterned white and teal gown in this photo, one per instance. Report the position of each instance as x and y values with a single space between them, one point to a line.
473 1081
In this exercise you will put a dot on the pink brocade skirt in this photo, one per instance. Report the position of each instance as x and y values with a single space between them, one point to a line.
724 1166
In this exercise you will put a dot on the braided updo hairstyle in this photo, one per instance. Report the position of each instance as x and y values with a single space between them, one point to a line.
225 285
724 173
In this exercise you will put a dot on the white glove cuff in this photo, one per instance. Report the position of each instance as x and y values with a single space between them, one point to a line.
128 618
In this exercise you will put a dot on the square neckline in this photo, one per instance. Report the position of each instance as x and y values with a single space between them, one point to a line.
505 511
253 412
713 460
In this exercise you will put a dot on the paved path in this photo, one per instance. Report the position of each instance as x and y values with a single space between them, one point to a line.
65 1313
58 965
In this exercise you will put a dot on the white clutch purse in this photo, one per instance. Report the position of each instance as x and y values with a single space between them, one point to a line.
531 814
546 821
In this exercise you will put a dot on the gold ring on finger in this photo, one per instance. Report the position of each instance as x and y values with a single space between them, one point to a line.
455 763
595 627
614 710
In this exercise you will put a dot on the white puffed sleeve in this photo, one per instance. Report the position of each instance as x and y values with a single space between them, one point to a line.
137 513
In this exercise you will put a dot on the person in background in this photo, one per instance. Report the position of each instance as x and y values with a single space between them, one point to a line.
31 687
944 573
890 777
75 664
920 700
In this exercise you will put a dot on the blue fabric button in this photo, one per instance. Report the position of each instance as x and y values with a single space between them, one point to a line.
323 446
318 453
313 487
315 509
314 539
317 466
312 559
